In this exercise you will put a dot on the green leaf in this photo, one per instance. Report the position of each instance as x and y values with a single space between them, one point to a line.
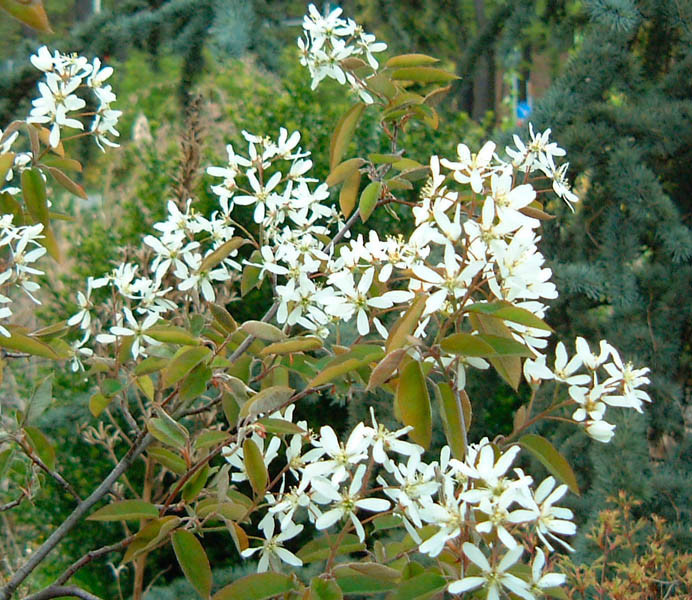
62 163
193 561
194 384
343 171
255 467
40 399
343 133
259 586
410 60
420 587
349 193
263 331
335 369
483 345
34 194
376 570
320 548
29 12
251 274
170 334
406 324
23 343
223 318
267 401
423 75
183 362
352 583
368 199
467 345
322 588
413 403
454 418
98 403
196 483
297 344
166 430
407 164
231 408
551 459
280 426
5 458
381 84
150 536
228 510
213 259
150 365
43 448
209 438
110 387
146 386
508 367
125 510
509 312
168 459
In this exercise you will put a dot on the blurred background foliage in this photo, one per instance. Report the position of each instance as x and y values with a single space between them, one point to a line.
613 78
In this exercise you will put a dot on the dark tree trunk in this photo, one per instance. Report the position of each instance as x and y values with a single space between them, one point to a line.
83 9
484 77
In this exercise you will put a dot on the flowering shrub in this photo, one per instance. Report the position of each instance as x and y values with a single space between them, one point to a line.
465 291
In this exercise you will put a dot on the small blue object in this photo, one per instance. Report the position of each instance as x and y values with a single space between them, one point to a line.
523 110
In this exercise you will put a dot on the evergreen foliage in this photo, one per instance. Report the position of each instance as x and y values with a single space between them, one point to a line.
622 110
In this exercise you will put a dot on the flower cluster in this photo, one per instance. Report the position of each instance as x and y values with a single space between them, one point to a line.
331 40
617 387
181 251
21 248
327 482
65 77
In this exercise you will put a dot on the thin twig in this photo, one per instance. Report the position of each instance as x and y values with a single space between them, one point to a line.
90 556
54 474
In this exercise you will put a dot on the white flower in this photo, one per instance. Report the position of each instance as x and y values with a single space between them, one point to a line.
340 456
347 502
272 551
601 431
564 370
138 331
472 168
539 581
553 520
494 578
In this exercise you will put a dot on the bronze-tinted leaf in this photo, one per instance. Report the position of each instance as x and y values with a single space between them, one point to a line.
29 12
343 133
349 193
343 171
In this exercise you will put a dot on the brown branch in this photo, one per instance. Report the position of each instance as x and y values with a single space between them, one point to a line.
68 524
60 591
